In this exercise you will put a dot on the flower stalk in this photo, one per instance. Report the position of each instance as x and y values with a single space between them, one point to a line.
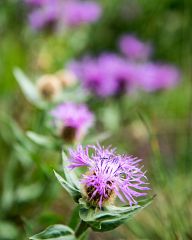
82 227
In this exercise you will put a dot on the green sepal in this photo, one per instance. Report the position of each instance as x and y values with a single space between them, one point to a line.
74 192
58 231
110 217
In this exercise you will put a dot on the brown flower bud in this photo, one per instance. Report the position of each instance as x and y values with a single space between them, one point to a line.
68 134
49 86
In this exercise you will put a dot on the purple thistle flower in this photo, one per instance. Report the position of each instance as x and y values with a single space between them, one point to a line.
152 77
107 75
45 15
110 74
73 120
79 12
61 13
35 2
134 49
109 175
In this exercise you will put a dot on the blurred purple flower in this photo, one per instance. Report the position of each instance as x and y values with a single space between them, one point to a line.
107 75
78 12
134 49
109 175
110 74
63 12
35 2
72 120
154 77
45 15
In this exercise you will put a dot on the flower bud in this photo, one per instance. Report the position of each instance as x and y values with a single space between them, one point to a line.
49 86
68 134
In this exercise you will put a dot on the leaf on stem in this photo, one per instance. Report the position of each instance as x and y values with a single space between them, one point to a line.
74 192
109 217
28 88
69 174
56 232
40 139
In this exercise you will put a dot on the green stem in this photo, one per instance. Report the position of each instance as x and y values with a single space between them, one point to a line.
83 226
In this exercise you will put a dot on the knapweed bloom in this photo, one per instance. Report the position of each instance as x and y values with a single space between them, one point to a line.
109 175
106 75
80 12
72 121
45 15
62 13
35 2
111 74
134 48
155 76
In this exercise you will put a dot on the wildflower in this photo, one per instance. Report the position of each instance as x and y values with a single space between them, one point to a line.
154 76
80 12
134 49
109 175
62 13
107 75
35 2
72 121
45 15
49 86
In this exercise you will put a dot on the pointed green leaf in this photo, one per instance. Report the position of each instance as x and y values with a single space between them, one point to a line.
28 88
69 174
40 139
109 217
26 85
74 192
55 232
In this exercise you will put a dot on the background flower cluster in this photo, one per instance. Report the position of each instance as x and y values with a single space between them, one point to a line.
110 74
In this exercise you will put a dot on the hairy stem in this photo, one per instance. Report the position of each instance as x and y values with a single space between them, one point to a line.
83 226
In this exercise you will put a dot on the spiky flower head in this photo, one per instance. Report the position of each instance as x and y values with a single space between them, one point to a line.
72 120
109 175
